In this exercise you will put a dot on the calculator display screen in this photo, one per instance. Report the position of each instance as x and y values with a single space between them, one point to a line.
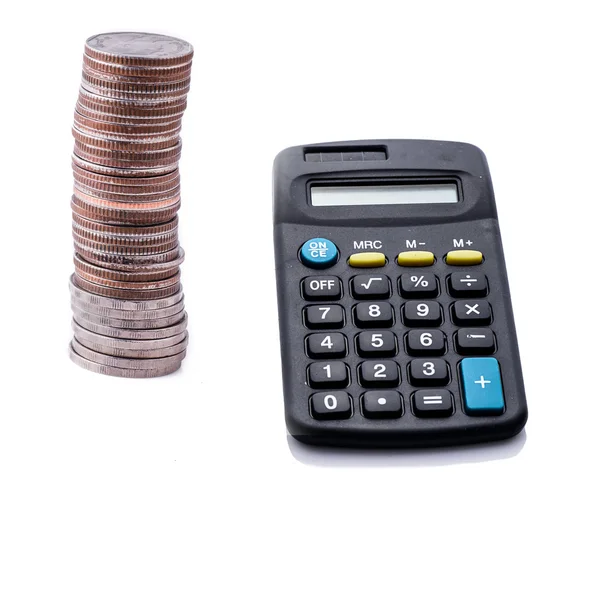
342 195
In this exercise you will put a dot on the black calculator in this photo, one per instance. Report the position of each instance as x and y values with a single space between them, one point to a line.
396 324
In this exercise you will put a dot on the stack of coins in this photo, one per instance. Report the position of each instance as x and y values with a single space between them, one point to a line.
128 312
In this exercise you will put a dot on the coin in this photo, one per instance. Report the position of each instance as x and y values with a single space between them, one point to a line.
118 372
138 49
119 303
140 315
89 337
136 353
136 334
86 318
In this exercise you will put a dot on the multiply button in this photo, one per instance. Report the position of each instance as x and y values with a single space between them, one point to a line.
482 386
472 312
322 288
468 285
318 253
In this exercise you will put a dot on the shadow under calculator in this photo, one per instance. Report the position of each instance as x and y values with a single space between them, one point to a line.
320 456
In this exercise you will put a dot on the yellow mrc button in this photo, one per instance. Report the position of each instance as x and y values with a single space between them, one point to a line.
417 258
464 257
367 259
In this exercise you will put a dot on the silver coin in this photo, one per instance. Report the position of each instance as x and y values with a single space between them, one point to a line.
89 337
136 334
126 363
118 304
134 315
87 317
119 372
122 353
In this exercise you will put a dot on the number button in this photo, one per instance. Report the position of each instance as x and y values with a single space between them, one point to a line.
472 312
323 375
333 405
432 403
417 314
377 343
475 341
330 345
373 314
371 287
428 372
385 404
419 286
322 288
467 285
383 373
425 342
329 316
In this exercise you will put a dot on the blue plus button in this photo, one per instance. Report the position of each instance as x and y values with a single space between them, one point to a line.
482 386
318 253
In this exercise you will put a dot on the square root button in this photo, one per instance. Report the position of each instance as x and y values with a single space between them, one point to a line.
482 386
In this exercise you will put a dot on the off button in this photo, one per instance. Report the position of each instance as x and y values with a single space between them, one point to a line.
319 253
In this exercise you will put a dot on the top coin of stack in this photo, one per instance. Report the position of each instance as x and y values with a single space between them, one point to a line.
125 200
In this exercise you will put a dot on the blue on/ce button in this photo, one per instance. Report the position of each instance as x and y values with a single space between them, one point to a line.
318 253
482 386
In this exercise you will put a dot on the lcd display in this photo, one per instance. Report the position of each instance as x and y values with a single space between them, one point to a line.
360 195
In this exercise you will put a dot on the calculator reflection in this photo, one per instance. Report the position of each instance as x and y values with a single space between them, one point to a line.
323 456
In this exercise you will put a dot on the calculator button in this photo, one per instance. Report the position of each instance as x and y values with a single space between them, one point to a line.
376 343
328 316
417 258
319 253
322 288
464 257
326 406
467 285
371 287
379 373
482 386
475 341
422 285
417 314
432 403
373 314
326 345
431 371
472 312
385 404
364 260
425 342
332 374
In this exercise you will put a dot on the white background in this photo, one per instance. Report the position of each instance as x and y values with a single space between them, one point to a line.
188 486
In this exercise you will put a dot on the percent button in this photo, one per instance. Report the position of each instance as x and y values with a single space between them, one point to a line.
418 286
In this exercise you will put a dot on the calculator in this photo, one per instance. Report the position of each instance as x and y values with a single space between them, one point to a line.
396 325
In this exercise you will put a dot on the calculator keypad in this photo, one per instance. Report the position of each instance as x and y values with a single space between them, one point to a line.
415 329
